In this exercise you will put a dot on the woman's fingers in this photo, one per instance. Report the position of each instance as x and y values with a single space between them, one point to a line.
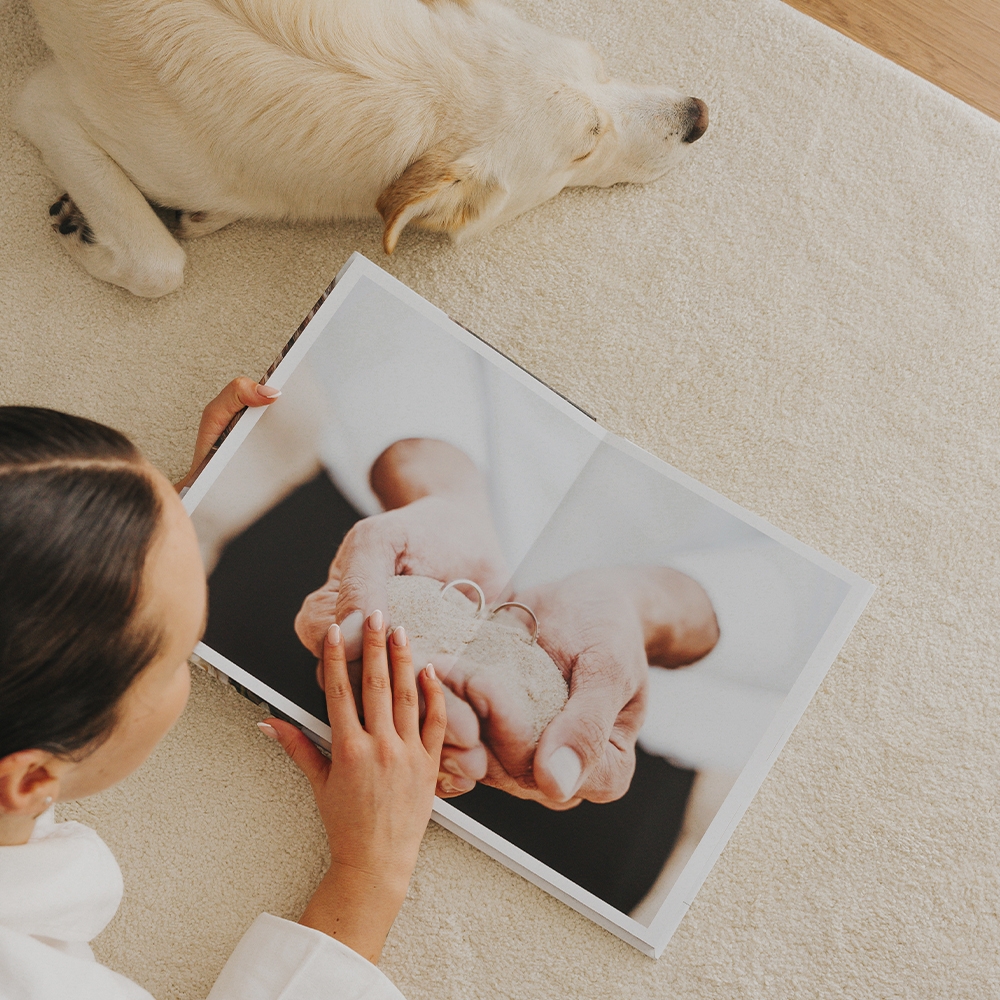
405 703
340 704
376 687
365 562
240 393
436 717
234 397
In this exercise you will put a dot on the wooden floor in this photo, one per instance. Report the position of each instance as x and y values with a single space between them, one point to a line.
953 43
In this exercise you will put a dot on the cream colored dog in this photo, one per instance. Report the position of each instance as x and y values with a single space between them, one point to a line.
454 115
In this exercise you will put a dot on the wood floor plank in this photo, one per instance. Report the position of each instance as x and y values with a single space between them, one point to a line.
953 43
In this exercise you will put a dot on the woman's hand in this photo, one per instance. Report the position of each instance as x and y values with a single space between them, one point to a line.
376 791
239 394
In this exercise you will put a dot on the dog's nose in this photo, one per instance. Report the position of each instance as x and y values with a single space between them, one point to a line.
698 117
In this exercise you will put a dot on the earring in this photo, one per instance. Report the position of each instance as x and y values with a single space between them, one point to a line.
48 801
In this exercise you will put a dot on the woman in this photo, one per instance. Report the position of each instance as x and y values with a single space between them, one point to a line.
102 599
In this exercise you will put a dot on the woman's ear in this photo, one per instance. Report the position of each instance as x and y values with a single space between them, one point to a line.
29 782
436 191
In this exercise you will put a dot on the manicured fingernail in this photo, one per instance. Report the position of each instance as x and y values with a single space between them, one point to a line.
431 672
269 731
333 634
375 621
268 391
565 768
399 636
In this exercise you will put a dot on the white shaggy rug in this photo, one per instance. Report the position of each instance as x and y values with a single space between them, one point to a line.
804 316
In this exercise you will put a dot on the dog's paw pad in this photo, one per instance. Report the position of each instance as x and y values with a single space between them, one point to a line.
190 225
68 220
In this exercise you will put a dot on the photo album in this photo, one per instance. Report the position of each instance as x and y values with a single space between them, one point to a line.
625 651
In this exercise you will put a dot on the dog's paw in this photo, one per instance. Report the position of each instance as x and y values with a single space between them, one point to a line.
69 223
148 270
190 225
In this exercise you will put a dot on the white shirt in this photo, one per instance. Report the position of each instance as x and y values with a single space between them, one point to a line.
61 889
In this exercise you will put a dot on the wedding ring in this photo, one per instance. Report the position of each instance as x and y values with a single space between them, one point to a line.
468 583
522 607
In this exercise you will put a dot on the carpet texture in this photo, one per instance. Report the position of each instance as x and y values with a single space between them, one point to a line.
804 317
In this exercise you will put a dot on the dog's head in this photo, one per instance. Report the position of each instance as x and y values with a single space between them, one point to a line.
541 117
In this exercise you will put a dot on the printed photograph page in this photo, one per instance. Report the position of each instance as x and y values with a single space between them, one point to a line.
669 633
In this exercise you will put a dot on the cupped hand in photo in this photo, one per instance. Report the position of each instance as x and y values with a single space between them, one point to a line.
602 628
464 758
437 523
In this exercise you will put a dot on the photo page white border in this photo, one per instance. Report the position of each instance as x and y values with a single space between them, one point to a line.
653 939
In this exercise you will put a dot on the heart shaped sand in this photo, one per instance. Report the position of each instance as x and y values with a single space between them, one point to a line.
498 647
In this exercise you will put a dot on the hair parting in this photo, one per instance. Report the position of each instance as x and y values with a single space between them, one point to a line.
78 513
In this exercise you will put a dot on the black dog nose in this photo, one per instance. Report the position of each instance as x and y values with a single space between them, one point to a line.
698 116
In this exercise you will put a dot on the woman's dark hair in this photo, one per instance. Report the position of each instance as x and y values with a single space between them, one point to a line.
77 515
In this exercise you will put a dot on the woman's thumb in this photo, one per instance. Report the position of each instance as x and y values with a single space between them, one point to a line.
303 752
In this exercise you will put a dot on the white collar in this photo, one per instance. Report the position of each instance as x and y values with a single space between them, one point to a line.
64 884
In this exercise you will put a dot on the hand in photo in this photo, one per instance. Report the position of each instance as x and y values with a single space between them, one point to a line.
437 523
464 759
603 628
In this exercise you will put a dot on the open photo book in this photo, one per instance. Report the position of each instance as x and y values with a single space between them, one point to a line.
612 634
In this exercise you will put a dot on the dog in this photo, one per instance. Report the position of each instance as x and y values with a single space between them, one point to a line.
166 119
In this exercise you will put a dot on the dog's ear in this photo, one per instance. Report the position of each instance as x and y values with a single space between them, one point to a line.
436 191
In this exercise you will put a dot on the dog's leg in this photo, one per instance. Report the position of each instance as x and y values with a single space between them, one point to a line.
106 224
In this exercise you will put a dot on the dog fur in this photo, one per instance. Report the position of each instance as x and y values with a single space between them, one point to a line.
454 115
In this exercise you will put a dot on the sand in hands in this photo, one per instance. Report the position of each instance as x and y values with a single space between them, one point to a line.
498 647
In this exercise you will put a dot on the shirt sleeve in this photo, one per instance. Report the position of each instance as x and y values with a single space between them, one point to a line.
275 960
405 383
31 969
772 607
279 960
